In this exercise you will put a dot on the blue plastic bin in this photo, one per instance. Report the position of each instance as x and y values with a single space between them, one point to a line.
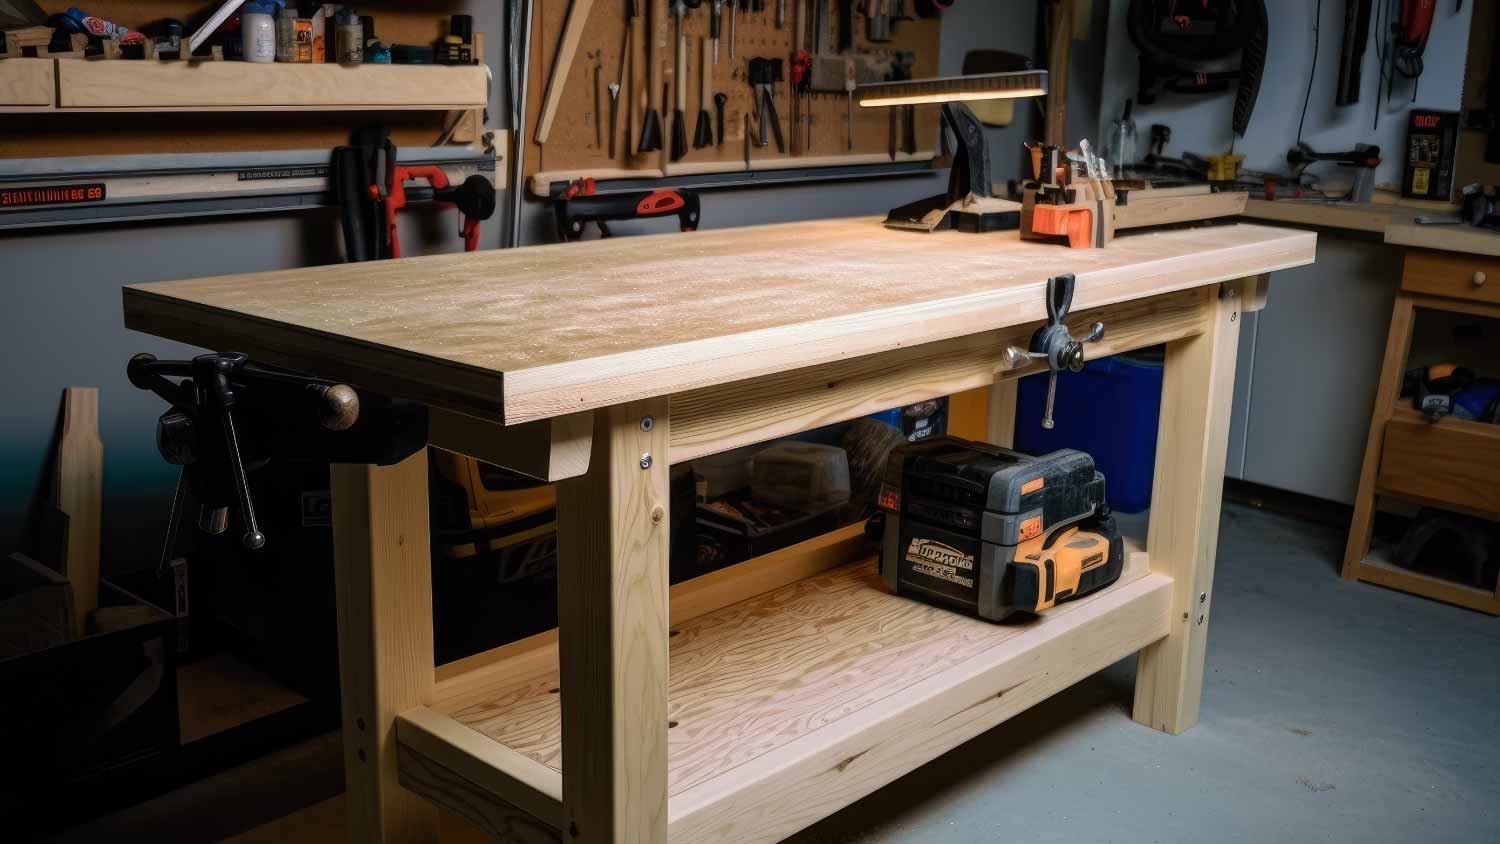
1109 410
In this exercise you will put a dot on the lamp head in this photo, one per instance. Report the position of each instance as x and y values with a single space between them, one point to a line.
983 86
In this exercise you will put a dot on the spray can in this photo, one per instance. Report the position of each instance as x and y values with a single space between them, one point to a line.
350 41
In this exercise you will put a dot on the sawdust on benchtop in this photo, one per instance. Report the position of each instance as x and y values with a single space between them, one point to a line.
506 310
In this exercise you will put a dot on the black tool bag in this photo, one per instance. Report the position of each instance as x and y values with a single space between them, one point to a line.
1176 38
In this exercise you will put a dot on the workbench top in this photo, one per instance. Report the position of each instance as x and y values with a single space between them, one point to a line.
523 334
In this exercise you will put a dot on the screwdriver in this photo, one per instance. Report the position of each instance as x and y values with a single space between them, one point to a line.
715 18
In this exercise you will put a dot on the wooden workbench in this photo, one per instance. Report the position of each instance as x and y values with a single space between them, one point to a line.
793 684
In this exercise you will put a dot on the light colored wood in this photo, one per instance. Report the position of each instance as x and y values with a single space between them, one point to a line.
1392 369
1382 572
1348 216
562 65
780 722
717 419
509 652
486 675
1145 209
716 590
1192 444
1254 293
384 601
220 692
78 481
498 820
521 334
441 749
28 85
1449 460
969 414
1465 239
1452 275
772 796
1002 428
612 631
741 685
238 86
547 449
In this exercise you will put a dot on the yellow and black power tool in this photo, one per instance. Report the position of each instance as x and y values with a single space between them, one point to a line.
993 532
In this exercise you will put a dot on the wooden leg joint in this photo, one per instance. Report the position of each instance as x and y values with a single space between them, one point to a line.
1192 443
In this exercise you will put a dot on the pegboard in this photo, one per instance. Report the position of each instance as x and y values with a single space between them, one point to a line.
578 142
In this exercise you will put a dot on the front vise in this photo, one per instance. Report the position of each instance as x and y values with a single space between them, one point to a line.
230 417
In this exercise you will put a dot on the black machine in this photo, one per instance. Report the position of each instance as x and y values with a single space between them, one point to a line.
1175 39
992 532
228 416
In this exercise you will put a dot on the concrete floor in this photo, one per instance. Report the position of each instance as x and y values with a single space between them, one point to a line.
1332 712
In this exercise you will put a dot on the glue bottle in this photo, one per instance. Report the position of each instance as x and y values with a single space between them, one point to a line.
258 29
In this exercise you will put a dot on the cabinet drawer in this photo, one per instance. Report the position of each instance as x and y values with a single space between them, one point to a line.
28 84
1452 460
1452 274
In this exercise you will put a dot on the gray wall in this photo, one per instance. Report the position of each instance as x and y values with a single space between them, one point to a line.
62 326
1201 123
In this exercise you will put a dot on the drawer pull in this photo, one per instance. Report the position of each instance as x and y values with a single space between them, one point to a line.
1479 278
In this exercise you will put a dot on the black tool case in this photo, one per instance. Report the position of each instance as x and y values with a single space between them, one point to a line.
956 511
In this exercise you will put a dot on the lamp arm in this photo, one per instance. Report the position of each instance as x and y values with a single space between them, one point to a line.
971 174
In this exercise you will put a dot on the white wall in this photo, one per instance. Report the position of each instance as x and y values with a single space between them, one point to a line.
1201 123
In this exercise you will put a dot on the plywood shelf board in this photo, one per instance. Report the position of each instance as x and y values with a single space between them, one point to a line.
1350 216
236 86
753 675
1466 239
806 667
1380 569
516 335
27 85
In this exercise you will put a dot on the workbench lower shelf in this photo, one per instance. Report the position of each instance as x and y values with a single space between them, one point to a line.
784 707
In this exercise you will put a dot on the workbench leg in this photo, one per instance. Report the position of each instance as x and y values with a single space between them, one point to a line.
1397 346
1192 442
384 585
1002 427
612 631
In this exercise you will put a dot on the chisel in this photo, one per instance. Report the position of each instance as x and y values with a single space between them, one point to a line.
704 136
651 121
679 114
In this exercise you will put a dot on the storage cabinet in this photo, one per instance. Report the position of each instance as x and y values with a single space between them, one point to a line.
1450 464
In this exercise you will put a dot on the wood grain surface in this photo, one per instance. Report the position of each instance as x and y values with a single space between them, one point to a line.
78 483
523 334
384 606
1187 491
237 86
759 674
27 85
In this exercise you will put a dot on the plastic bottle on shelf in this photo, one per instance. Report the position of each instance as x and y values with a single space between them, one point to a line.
258 30
286 35
350 40
1120 145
